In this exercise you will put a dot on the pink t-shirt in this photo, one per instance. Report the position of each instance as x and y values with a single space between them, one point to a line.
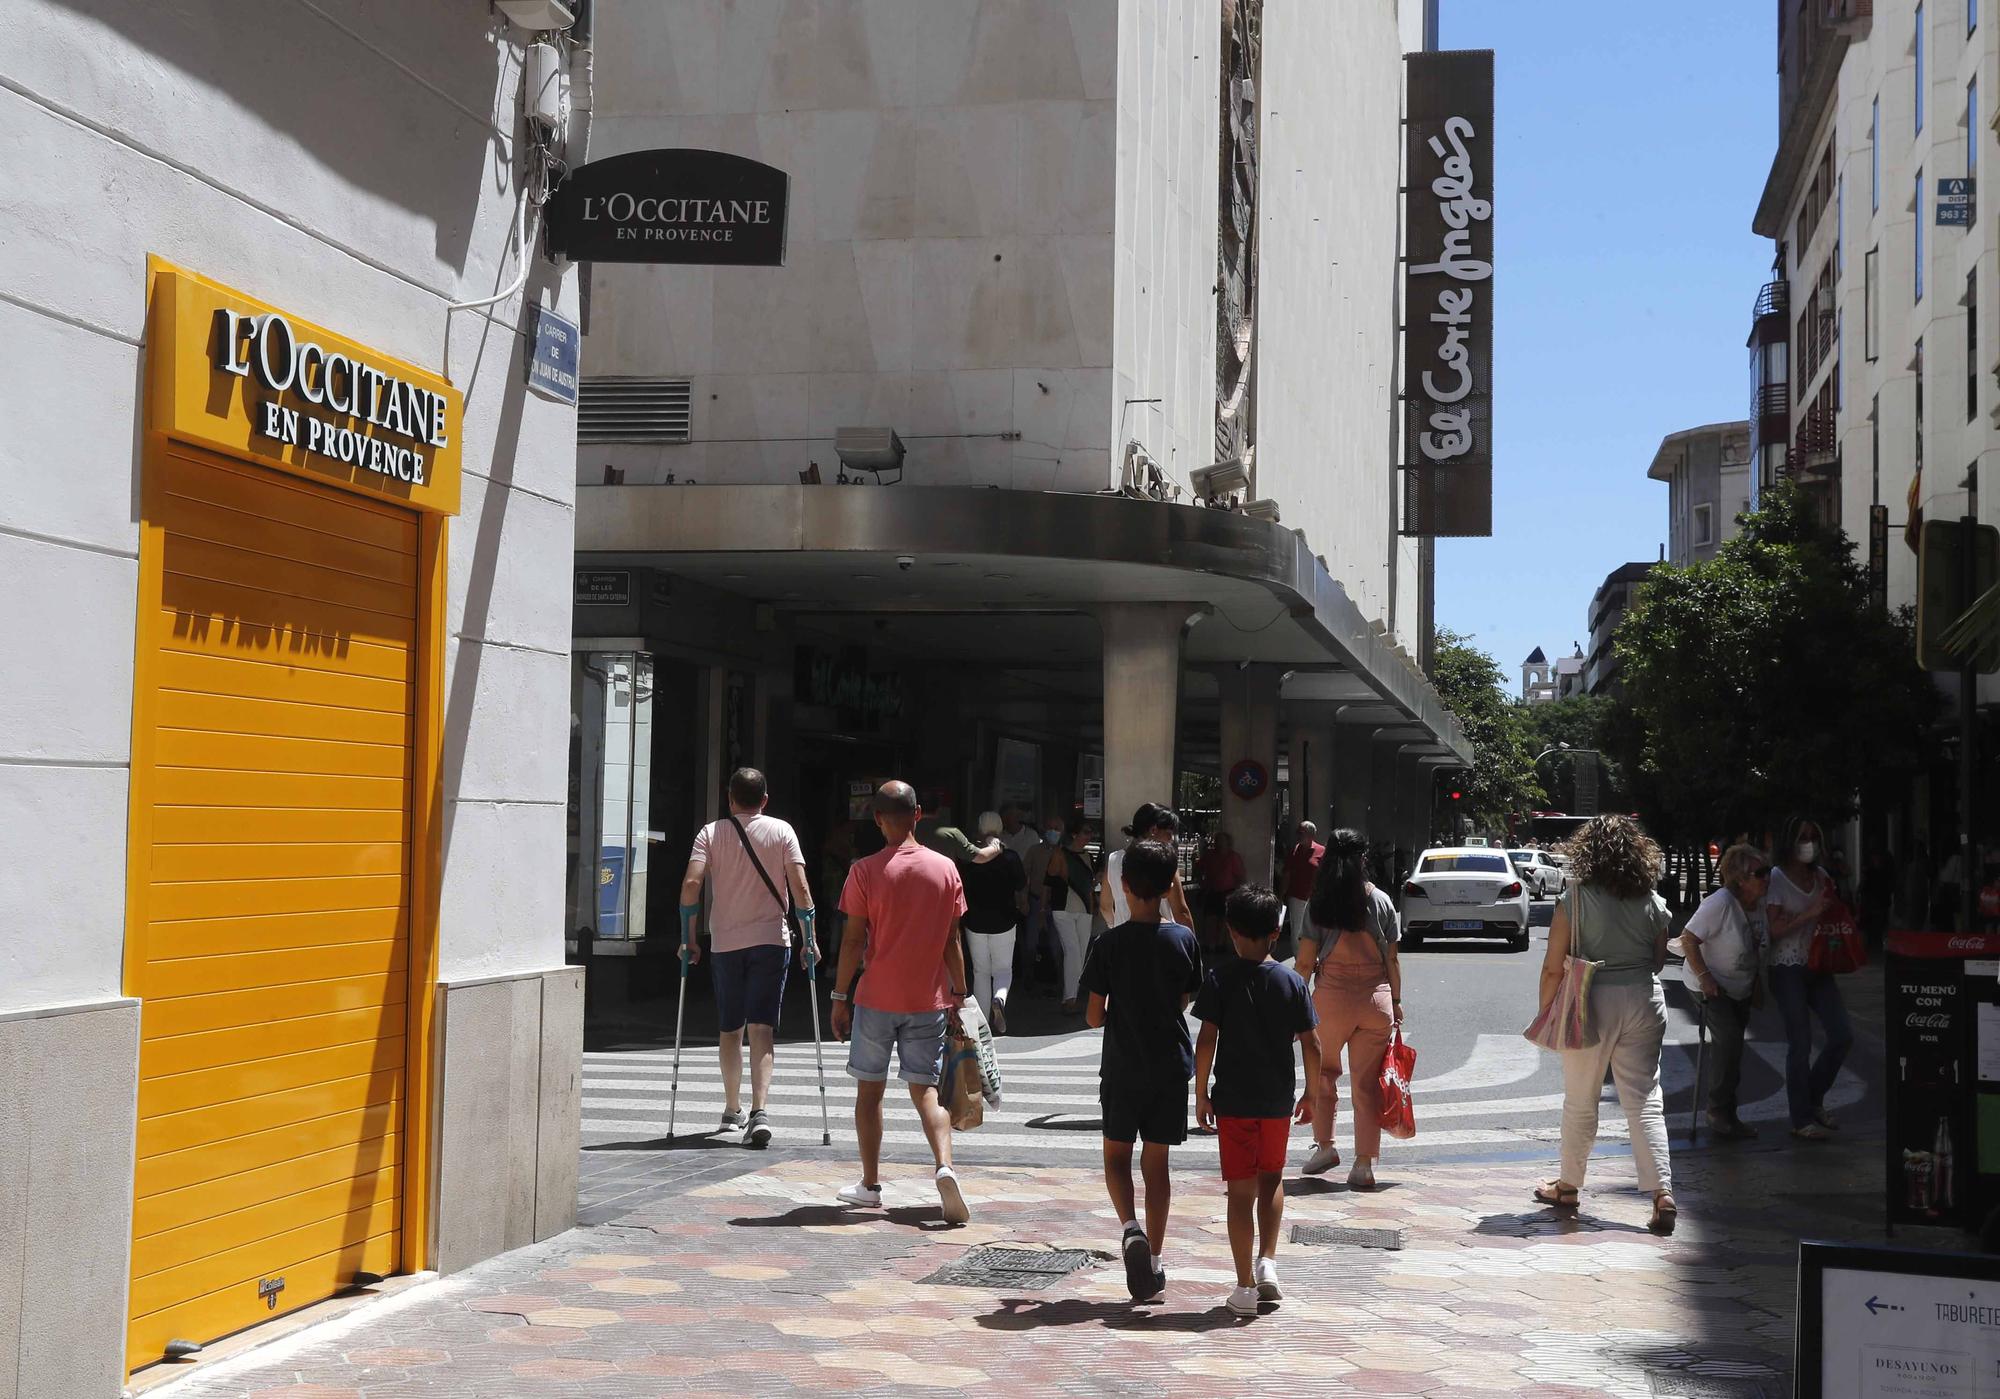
912 900
741 911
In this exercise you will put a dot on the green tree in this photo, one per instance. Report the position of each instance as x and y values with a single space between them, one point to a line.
1762 682
1502 781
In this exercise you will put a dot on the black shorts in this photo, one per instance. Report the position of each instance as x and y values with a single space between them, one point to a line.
1157 1113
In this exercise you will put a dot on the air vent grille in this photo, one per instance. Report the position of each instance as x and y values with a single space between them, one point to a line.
634 410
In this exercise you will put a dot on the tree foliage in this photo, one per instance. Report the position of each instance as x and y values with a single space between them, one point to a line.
1762 682
1502 780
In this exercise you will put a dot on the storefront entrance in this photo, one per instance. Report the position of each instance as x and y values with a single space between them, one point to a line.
279 932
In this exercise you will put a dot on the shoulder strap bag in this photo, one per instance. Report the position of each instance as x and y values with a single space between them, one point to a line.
785 903
1565 1022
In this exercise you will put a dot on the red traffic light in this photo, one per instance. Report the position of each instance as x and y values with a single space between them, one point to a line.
1455 796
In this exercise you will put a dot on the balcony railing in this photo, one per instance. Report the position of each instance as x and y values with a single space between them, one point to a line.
1771 401
1814 443
1775 299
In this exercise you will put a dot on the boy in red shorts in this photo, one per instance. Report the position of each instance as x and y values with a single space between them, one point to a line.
1251 1010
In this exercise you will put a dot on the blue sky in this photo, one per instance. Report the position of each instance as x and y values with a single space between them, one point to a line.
1633 145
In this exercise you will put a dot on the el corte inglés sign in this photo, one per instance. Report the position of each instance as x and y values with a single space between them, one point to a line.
233 373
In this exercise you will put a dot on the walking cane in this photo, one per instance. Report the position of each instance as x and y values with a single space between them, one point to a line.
806 916
1700 1044
688 912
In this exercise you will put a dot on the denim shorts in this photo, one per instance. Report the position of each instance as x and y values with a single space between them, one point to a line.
749 985
917 1035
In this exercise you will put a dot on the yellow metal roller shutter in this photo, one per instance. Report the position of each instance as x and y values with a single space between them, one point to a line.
278 674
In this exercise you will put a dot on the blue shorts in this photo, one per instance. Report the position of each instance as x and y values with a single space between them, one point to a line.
917 1035
749 985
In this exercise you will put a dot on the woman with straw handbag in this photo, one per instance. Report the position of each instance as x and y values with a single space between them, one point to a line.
1607 944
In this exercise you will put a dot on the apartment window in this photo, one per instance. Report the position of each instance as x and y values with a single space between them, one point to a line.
1871 306
1875 448
1971 15
1971 344
1972 131
1839 224
1917 236
1918 102
1704 526
1875 154
1917 447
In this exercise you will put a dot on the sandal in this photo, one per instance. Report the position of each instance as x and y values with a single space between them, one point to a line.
1665 1213
1556 1195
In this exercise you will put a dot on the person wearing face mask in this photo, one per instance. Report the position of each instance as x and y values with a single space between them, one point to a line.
1801 893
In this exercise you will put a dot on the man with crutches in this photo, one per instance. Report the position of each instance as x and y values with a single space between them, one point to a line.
747 859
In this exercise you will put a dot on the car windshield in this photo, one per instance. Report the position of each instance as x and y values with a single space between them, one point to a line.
1521 857
1463 864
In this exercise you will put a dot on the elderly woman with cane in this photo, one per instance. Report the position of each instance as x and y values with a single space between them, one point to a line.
1612 916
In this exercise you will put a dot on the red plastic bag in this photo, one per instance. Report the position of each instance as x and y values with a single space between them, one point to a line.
1836 943
1399 1066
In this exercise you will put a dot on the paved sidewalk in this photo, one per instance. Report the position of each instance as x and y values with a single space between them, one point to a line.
730 1273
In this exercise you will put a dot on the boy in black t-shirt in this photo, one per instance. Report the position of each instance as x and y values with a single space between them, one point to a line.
1140 976
1251 1010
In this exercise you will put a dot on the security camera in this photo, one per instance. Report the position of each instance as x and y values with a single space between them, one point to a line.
906 562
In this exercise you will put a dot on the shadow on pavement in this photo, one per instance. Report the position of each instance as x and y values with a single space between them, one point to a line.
1314 1185
1547 1223
929 1218
730 1140
1028 1314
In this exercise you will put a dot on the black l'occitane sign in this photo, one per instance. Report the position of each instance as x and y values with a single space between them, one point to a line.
675 206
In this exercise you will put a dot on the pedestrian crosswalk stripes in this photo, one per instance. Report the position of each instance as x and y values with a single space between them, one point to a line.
1051 1105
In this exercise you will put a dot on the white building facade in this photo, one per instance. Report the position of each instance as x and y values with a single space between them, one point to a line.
282 756
1074 255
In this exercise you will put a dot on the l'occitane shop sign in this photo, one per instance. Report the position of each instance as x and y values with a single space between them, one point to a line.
232 372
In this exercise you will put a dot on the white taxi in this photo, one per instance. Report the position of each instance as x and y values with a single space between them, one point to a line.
1459 891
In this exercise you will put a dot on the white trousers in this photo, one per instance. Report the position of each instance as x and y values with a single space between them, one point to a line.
1631 1022
1073 933
992 967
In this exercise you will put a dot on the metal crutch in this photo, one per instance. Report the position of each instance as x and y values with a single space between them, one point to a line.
1700 1044
806 918
688 912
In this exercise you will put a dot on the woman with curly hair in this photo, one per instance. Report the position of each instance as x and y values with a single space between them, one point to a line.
1612 916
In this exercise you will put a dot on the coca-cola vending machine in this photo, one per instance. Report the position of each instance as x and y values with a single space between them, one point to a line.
1942 1146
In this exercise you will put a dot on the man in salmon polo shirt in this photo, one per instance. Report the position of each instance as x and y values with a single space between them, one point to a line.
902 905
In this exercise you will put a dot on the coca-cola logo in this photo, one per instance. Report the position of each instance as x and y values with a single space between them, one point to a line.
1940 1020
1967 944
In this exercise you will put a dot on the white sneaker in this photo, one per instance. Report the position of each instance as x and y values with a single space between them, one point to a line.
956 1211
1322 1160
1266 1273
1243 1301
862 1195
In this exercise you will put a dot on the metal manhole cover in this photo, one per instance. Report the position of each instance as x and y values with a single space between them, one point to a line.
1031 1269
1685 1386
1350 1235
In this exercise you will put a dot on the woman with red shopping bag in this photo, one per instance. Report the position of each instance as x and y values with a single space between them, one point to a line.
1348 952
1612 920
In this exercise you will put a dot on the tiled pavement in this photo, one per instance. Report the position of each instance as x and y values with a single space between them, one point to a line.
717 1271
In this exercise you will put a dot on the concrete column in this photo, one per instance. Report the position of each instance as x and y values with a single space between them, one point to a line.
1350 749
1413 787
1250 730
1142 685
1382 754
1312 765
